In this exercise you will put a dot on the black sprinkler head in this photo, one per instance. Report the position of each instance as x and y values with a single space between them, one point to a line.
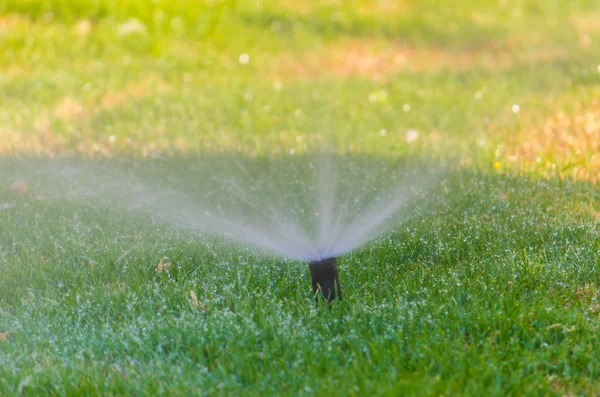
325 281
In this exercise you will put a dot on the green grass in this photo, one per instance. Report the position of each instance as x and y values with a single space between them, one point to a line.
490 288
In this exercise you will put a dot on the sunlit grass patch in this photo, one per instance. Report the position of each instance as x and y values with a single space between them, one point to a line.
65 127
566 144
586 23
10 21
380 59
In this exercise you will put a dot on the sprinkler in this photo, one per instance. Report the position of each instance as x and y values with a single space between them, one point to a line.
325 281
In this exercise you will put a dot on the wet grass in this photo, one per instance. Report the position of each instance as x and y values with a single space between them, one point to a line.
490 289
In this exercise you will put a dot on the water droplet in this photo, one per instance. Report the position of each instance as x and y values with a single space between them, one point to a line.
244 59
516 108
406 107
585 41
132 26
336 16
411 135
383 132
292 152
83 28
378 96
278 85
176 23
478 95
112 139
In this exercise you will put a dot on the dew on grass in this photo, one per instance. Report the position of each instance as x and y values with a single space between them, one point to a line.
378 96
5 206
176 23
244 59
411 135
83 28
132 26
515 108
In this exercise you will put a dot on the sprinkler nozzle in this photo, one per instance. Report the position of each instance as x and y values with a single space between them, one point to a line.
325 281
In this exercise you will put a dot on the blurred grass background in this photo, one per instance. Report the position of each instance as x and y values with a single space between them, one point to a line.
259 76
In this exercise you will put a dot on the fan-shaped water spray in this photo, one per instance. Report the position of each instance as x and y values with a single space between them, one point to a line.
308 208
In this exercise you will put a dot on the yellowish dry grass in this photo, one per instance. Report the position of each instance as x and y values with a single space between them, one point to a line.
370 58
586 23
9 21
382 7
565 144
43 140
360 7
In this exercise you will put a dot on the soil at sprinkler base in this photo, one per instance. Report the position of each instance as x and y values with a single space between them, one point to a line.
325 280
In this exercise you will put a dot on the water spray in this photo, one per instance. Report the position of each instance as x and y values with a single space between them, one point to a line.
325 280
267 210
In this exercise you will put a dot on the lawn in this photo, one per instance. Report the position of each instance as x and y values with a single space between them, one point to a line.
490 285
